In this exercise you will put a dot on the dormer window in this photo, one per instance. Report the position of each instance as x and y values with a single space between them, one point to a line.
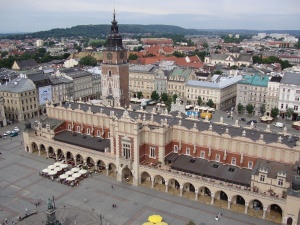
262 178
88 131
202 154
78 128
188 151
233 161
218 157
280 182
250 165
69 126
175 148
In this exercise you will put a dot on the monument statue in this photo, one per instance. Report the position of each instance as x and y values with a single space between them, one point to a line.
49 203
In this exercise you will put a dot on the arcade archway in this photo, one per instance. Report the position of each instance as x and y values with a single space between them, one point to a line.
238 204
34 148
127 175
274 213
159 183
174 187
90 163
221 199
112 170
146 179
204 195
42 149
70 158
188 190
256 208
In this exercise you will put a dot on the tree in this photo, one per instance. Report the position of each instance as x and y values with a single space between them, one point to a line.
78 48
178 54
274 112
3 54
88 61
218 72
164 97
241 108
249 108
234 67
262 109
205 45
139 95
201 55
133 56
174 97
289 112
155 96
199 100
210 103
169 103
256 59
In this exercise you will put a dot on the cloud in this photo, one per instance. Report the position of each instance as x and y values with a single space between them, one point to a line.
32 15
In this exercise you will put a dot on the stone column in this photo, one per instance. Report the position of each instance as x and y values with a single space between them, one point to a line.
181 190
56 156
229 203
107 167
152 182
212 198
39 149
196 194
167 186
47 152
246 207
265 211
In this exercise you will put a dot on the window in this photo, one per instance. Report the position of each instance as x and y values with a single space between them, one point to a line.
88 131
233 161
296 107
262 178
250 165
98 133
218 157
69 126
126 150
175 148
280 182
188 151
108 135
202 154
152 152
78 128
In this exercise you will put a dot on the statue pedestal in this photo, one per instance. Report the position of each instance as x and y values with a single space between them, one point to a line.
51 218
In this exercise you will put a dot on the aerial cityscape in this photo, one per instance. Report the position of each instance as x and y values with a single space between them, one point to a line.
132 114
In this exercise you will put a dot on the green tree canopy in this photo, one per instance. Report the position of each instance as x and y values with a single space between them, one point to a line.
289 112
210 103
262 109
241 108
88 61
249 108
155 96
178 54
164 97
174 97
139 95
199 100
132 56
274 112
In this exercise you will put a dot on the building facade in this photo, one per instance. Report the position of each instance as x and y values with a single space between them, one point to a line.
141 79
20 99
248 171
253 90
272 94
160 81
289 94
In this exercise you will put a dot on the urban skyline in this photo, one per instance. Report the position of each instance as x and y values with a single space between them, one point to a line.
32 16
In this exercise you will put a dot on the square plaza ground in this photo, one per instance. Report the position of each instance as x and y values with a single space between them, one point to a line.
21 186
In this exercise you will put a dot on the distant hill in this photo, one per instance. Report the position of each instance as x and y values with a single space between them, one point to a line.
98 31
101 31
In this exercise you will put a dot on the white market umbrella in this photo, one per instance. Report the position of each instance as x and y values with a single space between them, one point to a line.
75 169
76 175
57 164
70 178
58 169
52 172
82 171
63 176
51 167
63 166
46 170
69 173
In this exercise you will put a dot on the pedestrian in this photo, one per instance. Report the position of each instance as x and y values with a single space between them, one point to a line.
85 200
26 210
113 205
6 220
112 187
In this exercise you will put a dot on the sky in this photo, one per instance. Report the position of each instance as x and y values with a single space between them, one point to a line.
39 15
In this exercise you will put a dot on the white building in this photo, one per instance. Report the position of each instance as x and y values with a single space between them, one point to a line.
289 94
39 43
272 94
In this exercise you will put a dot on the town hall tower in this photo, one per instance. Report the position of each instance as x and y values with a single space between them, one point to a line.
115 70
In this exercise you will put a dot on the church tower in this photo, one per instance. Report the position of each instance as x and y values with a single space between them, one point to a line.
115 70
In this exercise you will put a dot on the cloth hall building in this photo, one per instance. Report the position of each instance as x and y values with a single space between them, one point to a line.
244 170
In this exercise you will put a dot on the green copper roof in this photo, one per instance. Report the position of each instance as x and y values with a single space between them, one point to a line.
255 80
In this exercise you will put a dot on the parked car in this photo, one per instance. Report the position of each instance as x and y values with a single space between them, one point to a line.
243 119
7 133
250 121
278 124
13 134
17 129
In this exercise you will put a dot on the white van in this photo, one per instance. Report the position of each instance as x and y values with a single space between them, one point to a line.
278 124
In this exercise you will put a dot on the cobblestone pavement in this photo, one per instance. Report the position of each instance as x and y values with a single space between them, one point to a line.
21 187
